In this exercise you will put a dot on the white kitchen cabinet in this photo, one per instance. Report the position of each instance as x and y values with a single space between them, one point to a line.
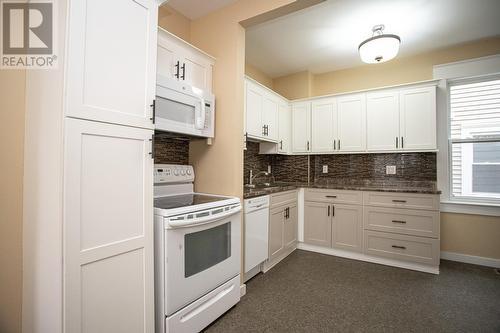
382 113
270 116
276 236
261 113
317 224
253 110
324 130
181 61
347 227
301 127
283 146
352 123
285 127
418 118
111 61
108 228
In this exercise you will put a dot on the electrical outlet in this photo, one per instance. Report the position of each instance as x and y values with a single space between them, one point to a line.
269 168
325 168
390 169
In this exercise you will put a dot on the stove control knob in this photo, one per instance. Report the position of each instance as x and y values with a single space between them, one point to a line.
183 172
189 172
176 172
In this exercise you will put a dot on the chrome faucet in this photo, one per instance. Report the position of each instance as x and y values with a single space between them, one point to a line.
252 177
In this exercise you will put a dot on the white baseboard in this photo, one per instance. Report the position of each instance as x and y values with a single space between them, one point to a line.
483 261
367 258
243 290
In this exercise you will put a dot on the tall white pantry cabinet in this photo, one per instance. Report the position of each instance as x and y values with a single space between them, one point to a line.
99 104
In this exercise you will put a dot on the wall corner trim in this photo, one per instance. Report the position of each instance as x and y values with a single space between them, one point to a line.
468 259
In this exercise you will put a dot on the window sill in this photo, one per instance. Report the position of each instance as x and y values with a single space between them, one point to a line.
470 208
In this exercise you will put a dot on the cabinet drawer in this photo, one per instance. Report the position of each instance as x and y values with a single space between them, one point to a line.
402 221
282 198
420 250
334 196
402 200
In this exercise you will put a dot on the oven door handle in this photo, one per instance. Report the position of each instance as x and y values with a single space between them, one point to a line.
205 219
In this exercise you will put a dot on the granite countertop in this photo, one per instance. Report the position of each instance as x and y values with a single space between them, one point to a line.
424 187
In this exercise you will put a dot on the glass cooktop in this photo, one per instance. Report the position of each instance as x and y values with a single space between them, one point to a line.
184 200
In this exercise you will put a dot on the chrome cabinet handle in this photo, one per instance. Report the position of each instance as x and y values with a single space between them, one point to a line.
307 145
339 144
334 144
281 144
396 142
400 201
399 247
331 196
333 210
402 143
328 210
183 67
399 221
177 69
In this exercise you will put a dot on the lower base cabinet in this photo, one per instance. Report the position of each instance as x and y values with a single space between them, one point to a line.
333 225
400 227
283 225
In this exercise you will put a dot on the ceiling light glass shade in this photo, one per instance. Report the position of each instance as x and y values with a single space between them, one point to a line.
380 48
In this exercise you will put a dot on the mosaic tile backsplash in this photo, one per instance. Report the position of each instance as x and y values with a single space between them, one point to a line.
171 151
349 168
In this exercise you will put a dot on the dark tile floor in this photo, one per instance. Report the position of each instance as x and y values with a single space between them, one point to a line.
310 292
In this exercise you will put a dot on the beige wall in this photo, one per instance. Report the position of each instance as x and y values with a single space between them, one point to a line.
471 234
174 22
258 75
294 86
12 90
400 70
219 167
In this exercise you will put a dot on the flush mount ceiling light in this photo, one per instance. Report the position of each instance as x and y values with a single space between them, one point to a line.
380 47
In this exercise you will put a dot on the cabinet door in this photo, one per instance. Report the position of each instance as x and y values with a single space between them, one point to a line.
324 125
317 224
291 225
197 70
347 227
418 118
253 110
285 127
276 220
382 123
270 117
108 228
168 56
352 123
301 127
111 62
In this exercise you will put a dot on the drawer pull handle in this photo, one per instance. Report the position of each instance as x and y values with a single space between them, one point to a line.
401 201
331 196
398 221
399 247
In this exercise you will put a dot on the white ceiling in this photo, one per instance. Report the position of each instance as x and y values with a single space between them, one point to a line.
325 37
194 9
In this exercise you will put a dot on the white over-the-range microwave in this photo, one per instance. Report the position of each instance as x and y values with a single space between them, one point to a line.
183 109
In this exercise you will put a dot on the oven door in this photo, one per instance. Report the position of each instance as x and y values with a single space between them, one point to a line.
200 258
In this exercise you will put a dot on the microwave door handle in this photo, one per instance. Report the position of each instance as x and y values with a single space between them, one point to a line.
200 119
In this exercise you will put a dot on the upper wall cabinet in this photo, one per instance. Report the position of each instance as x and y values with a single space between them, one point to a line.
111 61
324 125
261 112
352 123
402 120
183 62
301 127
418 118
382 113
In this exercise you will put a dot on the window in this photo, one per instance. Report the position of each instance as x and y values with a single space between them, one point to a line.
475 140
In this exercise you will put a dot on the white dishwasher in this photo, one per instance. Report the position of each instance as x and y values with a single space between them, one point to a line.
256 234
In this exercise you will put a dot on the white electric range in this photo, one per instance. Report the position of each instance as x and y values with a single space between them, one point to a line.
197 252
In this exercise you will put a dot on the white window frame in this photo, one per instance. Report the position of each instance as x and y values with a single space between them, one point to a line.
467 70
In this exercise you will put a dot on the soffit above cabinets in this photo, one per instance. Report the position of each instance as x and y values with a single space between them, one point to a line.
325 37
